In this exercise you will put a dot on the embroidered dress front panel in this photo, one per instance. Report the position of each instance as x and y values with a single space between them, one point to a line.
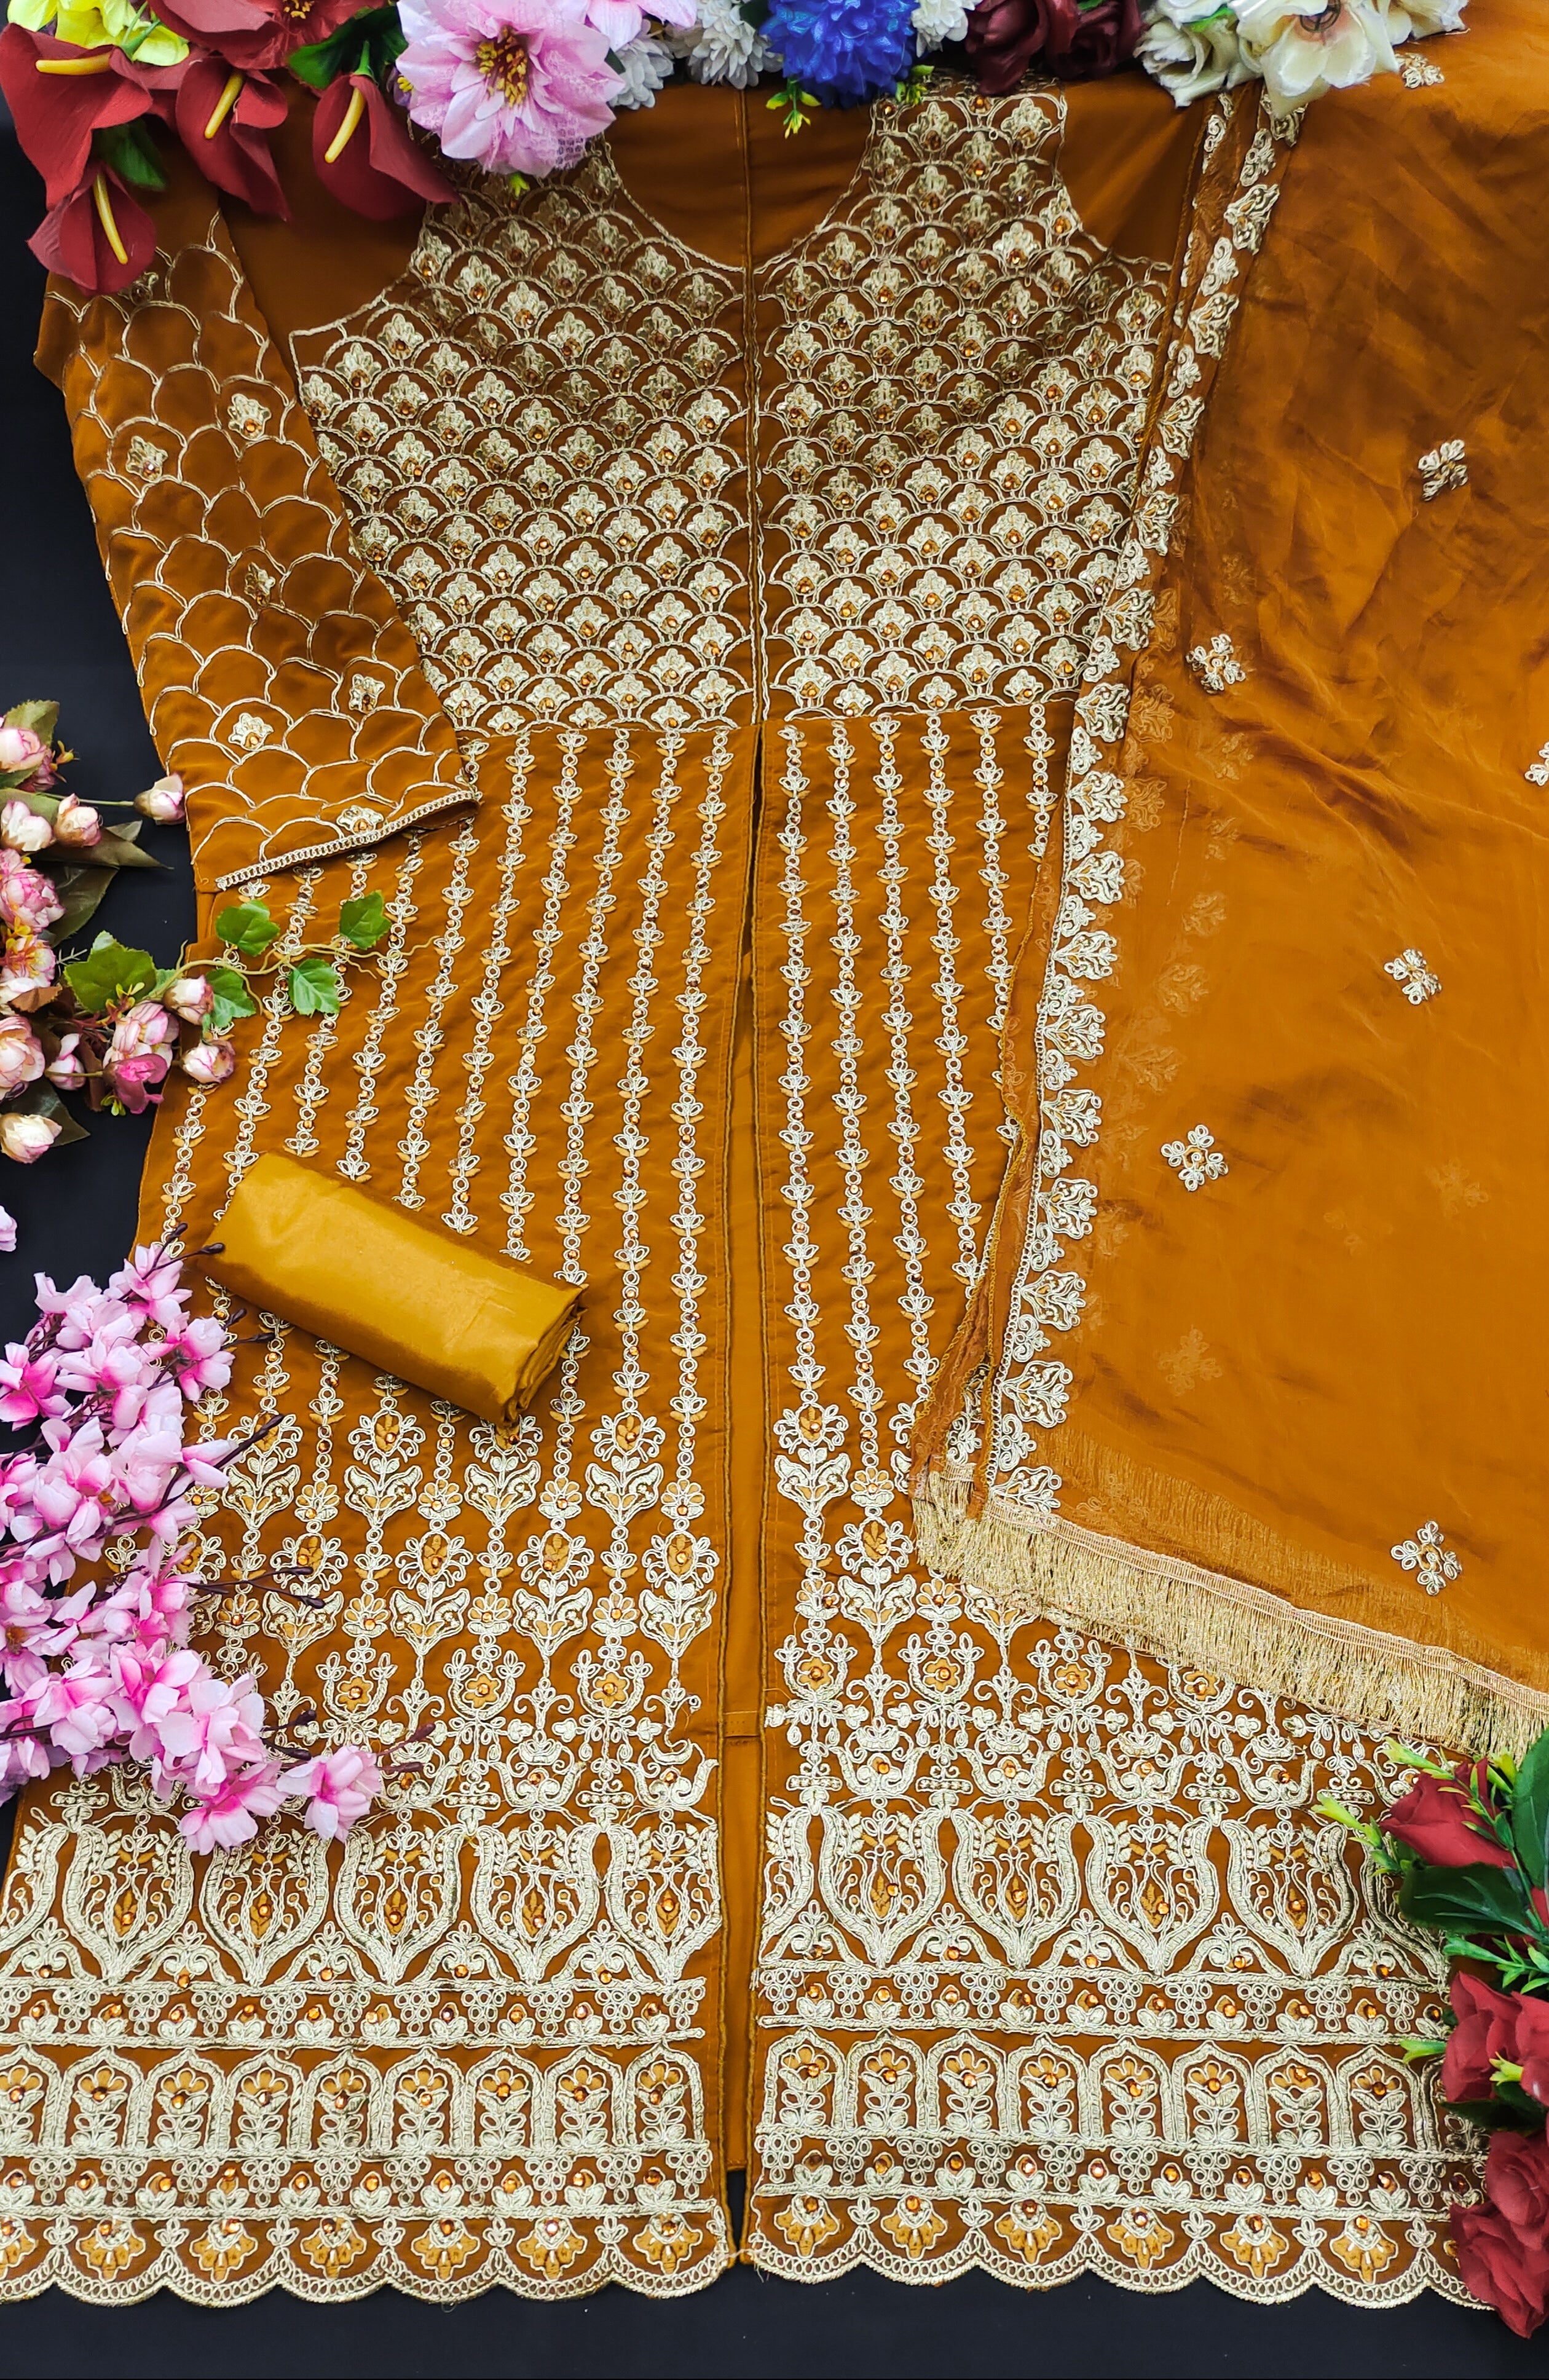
1058 1970
477 2044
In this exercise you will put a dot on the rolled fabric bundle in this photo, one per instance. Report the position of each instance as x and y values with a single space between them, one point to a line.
412 1300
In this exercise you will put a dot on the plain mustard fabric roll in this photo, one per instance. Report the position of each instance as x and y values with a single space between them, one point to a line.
410 1299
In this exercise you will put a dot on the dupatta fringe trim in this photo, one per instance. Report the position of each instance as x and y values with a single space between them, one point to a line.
1167 1606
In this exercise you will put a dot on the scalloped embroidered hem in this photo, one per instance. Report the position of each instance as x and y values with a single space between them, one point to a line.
1163 1605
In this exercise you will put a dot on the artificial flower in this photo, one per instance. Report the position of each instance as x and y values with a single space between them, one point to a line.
228 134
191 998
27 965
163 801
255 35
208 1062
1191 54
65 1070
230 1815
25 1138
1076 44
138 1054
724 46
1484 2030
623 21
23 828
1305 47
1503 2246
363 152
843 50
21 1055
28 900
100 237
645 65
936 21
77 823
7 1233
339 1787
21 749
518 86
96 24
1416 19
1435 1819
57 114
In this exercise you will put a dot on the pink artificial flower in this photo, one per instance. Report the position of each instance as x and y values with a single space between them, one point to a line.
22 1758
215 1729
520 85
27 898
163 801
198 1356
77 823
151 1686
21 1056
64 1069
148 1612
78 1710
622 20
21 749
25 1138
150 1284
77 1313
27 965
7 1233
210 1063
22 828
339 1787
230 1815
191 998
73 1494
31 1386
137 1058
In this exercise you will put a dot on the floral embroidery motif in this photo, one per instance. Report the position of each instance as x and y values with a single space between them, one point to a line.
1419 73
246 419
1197 1160
146 460
1537 772
1216 665
1433 1562
248 731
1410 971
363 693
1442 468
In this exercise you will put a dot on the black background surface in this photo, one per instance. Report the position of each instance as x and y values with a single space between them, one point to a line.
59 638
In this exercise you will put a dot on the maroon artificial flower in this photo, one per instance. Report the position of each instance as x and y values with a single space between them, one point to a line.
1434 1820
1486 2030
364 154
228 138
1503 2246
57 114
253 34
1073 43
100 236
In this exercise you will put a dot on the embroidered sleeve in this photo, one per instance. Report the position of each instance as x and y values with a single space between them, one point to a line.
279 681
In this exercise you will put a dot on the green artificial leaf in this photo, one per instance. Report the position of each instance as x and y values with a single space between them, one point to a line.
365 921
1494 1898
81 891
369 43
133 154
1529 1813
249 927
42 718
314 987
109 973
232 999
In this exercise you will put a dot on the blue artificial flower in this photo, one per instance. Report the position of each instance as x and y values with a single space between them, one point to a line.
843 50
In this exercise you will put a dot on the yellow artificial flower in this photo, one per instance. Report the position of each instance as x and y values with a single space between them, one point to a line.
94 24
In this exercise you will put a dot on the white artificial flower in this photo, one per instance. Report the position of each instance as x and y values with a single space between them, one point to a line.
1191 53
646 63
722 47
1417 20
936 21
1305 47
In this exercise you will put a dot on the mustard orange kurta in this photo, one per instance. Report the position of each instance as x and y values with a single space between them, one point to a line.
754 540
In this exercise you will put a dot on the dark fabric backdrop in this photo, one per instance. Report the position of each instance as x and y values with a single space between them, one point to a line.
59 638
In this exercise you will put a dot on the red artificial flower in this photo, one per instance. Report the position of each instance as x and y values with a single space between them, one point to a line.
1532 2053
100 236
226 133
1503 2246
1486 2030
1073 43
255 34
364 154
56 113
1434 1820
